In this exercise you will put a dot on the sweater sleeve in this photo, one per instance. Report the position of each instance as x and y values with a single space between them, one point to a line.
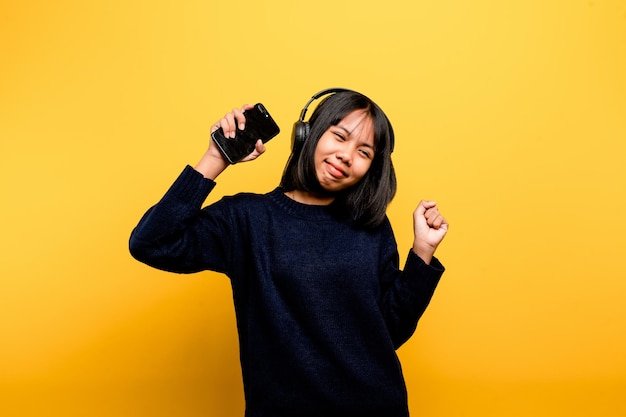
176 235
407 293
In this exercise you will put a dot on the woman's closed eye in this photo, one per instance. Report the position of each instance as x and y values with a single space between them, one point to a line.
365 152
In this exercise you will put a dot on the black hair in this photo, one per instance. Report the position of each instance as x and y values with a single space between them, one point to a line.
365 202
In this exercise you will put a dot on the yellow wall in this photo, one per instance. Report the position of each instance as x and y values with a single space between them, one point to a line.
511 114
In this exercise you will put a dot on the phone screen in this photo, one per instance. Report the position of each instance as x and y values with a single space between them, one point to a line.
259 125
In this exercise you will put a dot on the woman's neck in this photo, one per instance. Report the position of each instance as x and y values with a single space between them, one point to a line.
309 198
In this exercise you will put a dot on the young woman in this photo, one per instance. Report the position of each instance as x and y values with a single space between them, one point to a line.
320 301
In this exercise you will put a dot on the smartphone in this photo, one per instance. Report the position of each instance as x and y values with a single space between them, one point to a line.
259 125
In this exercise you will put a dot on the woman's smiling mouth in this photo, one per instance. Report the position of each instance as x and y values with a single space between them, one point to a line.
335 170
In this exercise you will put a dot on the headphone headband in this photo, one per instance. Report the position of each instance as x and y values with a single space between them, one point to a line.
318 95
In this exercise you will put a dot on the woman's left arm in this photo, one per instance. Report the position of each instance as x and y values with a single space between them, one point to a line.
409 291
407 294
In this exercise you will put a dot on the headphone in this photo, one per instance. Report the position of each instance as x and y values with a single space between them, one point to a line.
301 129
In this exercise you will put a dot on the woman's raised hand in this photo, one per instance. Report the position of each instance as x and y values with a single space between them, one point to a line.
430 227
213 162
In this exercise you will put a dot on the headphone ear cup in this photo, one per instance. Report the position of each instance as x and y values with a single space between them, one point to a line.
300 134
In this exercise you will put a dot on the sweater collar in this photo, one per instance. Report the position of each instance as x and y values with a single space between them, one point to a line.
305 211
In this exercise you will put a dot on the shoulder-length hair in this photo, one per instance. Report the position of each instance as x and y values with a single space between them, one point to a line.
365 202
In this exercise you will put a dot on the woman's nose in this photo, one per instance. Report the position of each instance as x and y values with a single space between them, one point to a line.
344 155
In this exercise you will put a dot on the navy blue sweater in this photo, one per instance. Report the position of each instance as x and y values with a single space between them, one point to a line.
321 305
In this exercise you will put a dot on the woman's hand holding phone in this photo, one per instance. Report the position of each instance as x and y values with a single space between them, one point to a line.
238 133
214 162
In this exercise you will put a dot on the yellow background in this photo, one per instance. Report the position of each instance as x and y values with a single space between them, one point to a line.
511 114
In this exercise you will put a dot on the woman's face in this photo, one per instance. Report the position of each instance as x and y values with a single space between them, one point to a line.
345 152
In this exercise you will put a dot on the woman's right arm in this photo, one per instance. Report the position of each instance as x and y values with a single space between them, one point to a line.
176 234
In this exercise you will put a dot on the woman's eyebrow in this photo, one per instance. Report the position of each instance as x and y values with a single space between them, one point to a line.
344 129
349 133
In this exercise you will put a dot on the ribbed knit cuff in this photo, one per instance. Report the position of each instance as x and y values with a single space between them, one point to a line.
191 187
434 270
